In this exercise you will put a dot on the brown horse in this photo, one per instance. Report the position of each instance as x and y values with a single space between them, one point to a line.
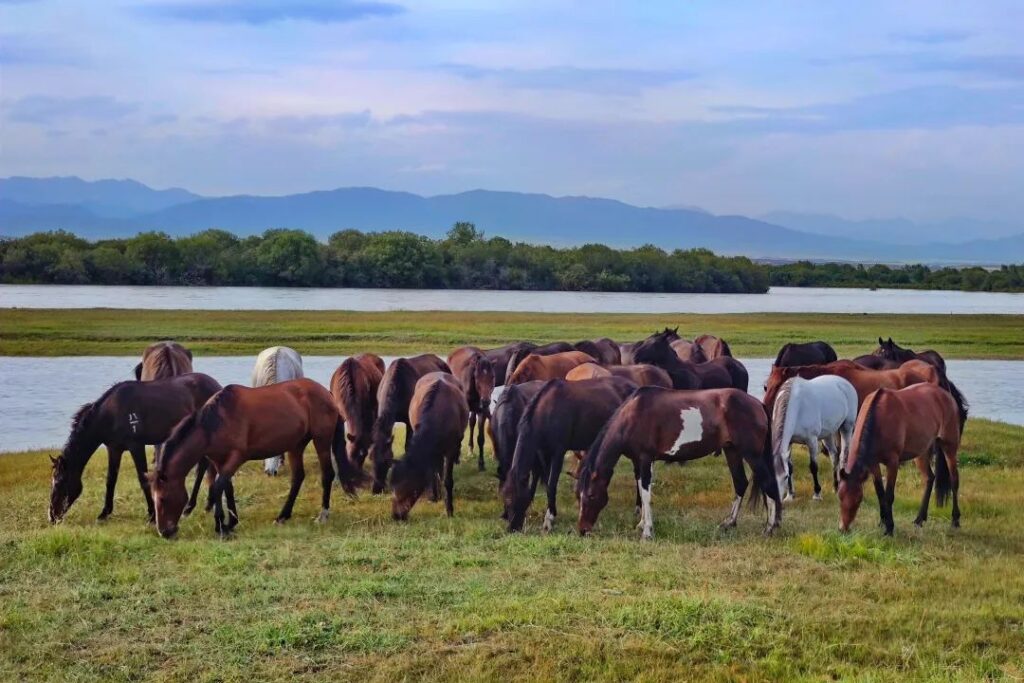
811 353
642 375
689 351
895 426
127 417
713 346
721 373
354 387
393 397
526 349
501 356
437 414
476 373
563 416
890 350
604 350
553 366
864 381
239 424
504 423
163 359
873 362
677 426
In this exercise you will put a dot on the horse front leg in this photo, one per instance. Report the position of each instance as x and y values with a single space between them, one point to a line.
480 441
201 467
812 451
556 461
113 467
141 466
449 480
925 466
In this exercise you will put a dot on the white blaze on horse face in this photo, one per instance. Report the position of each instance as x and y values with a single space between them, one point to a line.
691 429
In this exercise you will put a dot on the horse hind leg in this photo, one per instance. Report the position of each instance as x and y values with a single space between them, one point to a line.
323 454
812 452
298 471
739 485
141 467
113 468
925 466
644 490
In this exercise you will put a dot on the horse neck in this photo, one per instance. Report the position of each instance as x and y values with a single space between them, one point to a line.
81 446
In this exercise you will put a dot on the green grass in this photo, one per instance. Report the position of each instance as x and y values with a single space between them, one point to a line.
29 332
364 598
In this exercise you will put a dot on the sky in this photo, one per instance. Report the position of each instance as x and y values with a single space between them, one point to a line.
868 109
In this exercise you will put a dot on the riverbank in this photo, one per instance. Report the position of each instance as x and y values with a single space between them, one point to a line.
111 332
458 599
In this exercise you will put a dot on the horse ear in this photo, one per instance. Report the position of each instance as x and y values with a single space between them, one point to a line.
880 342
890 340
138 371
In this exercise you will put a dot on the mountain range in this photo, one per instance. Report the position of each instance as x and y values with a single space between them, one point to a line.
118 208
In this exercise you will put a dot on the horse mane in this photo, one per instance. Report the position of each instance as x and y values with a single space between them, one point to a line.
401 369
82 419
163 360
779 412
865 457
270 369
782 351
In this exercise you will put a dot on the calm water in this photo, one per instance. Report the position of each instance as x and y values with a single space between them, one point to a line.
39 395
778 300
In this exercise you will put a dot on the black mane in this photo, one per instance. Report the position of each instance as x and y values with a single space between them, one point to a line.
83 417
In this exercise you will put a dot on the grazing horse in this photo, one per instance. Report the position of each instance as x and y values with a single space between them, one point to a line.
393 397
891 351
504 422
239 424
475 371
604 350
657 350
689 351
500 358
873 362
525 350
128 416
895 426
811 353
864 381
563 416
163 359
643 375
811 410
354 386
437 414
677 426
713 346
273 365
553 366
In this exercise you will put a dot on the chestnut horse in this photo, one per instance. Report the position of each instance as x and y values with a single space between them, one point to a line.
527 348
354 386
713 346
504 423
811 353
563 416
604 350
393 397
163 359
864 381
553 366
677 426
895 426
128 416
476 373
643 375
239 424
437 415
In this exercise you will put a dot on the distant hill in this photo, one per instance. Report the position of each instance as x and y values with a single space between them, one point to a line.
892 230
110 208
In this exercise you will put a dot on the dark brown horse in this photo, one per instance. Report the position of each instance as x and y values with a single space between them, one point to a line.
525 350
127 417
718 374
642 375
501 356
811 353
873 362
163 359
437 414
393 397
239 424
895 426
713 346
677 426
604 350
504 423
563 416
354 387
890 350
552 366
476 373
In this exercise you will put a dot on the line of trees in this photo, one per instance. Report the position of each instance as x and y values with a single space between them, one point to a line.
464 259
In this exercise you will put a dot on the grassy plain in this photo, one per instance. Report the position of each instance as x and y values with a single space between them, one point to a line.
364 598
92 332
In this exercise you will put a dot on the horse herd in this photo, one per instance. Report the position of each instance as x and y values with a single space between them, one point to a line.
664 398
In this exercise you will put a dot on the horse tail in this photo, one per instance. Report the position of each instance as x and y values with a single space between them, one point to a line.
781 422
782 351
765 485
961 403
350 477
942 481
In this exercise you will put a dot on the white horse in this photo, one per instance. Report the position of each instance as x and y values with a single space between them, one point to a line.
273 365
807 411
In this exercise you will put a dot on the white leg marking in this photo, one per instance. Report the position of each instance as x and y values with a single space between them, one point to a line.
272 465
322 517
691 429
734 512
549 520
773 520
646 514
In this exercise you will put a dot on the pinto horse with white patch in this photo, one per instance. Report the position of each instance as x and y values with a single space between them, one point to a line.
811 410
273 365
677 426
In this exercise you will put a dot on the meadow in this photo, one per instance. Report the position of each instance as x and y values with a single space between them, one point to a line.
365 598
34 332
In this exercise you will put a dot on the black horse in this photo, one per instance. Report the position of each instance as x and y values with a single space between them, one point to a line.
128 417
811 353
890 351
721 373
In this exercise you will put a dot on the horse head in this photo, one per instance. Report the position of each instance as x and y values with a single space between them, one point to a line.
65 488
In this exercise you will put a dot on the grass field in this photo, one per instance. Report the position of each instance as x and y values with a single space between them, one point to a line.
27 332
364 598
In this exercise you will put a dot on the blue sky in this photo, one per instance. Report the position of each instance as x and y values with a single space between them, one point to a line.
863 109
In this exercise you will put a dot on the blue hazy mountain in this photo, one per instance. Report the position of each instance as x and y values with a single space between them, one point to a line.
894 230
104 198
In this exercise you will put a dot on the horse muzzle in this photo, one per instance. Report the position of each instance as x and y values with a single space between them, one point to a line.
169 533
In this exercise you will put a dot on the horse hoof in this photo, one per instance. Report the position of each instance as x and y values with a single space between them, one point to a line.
955 524
817 496
103 516
789 498
187 511
646 536
769 530
280 520
322 517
